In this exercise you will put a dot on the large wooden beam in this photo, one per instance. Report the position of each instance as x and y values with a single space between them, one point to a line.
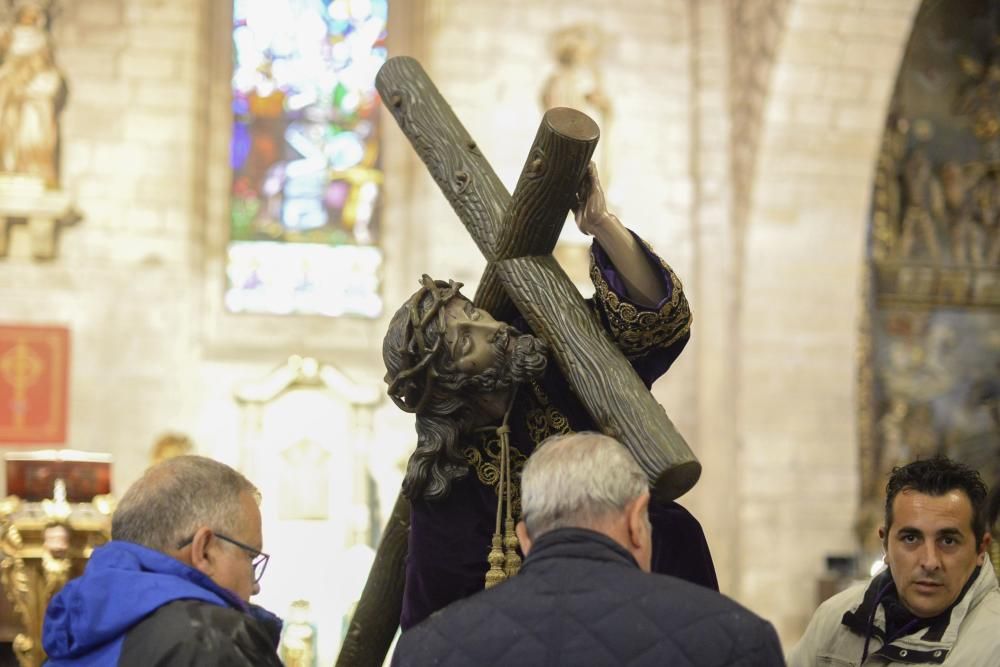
608 387
501 226
451 155
550 178
376 618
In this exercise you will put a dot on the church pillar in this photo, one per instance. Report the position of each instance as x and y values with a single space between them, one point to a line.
713 288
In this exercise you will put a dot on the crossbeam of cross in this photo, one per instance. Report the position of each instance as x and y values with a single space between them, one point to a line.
517 233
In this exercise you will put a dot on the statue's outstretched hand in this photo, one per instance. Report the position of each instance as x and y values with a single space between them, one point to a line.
591 211
642 279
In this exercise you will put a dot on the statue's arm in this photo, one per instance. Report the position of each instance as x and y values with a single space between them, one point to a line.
656 332
640 276
638 297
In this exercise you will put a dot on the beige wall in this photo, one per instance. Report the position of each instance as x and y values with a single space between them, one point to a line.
743 147
126 280
801 296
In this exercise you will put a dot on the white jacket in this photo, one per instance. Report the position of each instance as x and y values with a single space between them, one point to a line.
971 637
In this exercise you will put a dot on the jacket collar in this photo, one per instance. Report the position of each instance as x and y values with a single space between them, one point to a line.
122 584
149 560
577 543
929 643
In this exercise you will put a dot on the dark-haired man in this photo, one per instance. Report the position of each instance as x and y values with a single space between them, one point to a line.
938 602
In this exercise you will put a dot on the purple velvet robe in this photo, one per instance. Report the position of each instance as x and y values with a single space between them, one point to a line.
450 539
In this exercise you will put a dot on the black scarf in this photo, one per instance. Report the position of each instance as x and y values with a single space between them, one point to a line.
899 620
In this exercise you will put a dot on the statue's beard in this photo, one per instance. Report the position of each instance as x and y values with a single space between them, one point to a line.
517 358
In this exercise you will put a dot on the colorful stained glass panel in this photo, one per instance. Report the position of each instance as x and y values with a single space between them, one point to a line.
305 158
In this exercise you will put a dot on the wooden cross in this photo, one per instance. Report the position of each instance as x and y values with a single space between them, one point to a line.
516 234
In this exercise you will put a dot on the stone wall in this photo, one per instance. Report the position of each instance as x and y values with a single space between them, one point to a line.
125 281
139 280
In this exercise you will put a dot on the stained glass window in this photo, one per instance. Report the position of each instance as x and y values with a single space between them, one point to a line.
305 157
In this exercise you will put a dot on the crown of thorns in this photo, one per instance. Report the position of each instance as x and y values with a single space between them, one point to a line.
411 387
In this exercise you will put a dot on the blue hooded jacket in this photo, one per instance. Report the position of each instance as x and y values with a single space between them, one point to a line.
86 622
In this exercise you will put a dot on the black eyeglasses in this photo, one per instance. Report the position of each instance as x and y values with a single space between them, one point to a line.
258 559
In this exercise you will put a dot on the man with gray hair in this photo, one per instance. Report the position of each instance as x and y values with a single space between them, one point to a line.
584 595
173 585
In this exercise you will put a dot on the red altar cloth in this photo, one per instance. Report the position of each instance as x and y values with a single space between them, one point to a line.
34 363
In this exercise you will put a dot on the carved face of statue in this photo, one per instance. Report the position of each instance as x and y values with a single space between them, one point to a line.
56 540
476 361
931 549
483 356
471 335
30 15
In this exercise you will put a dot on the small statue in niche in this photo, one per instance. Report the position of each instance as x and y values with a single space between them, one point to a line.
298 638
966 235
169 445
924 205
576 82
891 428
920 432
56 564
987 210
304 482
32 91
981 94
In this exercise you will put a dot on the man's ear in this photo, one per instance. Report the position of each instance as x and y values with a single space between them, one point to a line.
637 513
984 548
522 537
882 535
202 558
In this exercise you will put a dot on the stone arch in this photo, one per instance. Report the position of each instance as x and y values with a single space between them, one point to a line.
801 297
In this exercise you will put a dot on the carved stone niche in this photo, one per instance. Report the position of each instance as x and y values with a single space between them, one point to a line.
24 200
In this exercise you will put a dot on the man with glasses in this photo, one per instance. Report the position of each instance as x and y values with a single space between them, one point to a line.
173 585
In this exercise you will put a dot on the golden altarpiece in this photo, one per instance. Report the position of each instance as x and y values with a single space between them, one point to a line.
930 352
57 513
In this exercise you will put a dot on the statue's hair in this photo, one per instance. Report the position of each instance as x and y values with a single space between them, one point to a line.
175 498
422 378
437 460
414 346
576 481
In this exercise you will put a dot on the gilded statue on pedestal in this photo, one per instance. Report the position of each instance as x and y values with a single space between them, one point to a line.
577 83
298 640
32 90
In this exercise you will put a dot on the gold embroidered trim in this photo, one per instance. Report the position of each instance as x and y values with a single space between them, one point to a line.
545 420
542 421
637 332
485 460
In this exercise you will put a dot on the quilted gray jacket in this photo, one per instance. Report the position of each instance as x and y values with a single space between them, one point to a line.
580 599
